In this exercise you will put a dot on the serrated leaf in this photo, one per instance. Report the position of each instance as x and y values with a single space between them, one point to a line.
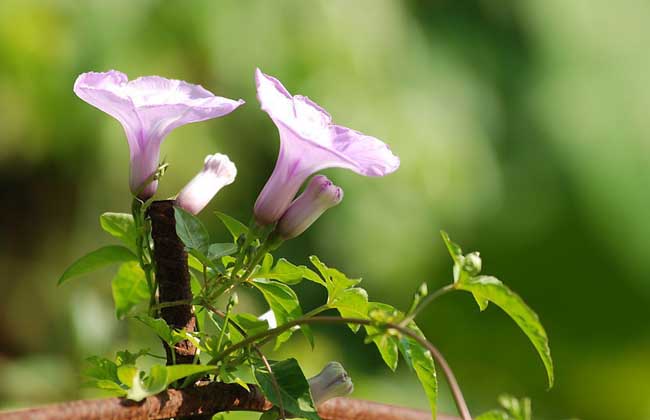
285 306
283 271
335 281
234 226
486 288
100 258
191 231
294 388
121 226
129 288
386 344
352 303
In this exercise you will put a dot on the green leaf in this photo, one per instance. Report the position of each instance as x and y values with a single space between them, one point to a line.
121 226
220 250
110 386
102 257
283 271
486 288
202 258
285 306
352 303
129 288
126 373
454 249
191 231
294 388
386 344
152 384
335 281
101 368
420 360
125 357
250 323
160 377
234 226
177 372
159 326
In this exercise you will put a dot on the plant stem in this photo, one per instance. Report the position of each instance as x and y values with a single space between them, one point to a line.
448 288
435 353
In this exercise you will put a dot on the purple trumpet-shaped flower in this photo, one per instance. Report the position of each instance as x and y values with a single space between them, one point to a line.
218 171
333 381
309 142
149 108
320 195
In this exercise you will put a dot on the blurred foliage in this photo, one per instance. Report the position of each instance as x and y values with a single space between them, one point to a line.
522 130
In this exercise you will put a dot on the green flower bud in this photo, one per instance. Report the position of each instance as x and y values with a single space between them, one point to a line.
472 263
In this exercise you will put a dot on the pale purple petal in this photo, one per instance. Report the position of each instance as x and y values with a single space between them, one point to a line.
319 195
218 171
149 108
310 143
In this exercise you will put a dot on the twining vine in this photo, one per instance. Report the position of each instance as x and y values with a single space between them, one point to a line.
184 287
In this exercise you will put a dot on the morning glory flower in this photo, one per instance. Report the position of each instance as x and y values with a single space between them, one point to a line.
333 381
319 195
218 171
149 108
309 142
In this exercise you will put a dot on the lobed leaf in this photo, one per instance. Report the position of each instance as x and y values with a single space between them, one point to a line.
100 258
283 271
335 281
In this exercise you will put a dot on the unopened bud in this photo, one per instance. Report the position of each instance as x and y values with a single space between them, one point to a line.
333 381
218 171
320 195
472 263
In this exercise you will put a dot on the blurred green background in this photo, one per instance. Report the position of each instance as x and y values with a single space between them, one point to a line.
522 127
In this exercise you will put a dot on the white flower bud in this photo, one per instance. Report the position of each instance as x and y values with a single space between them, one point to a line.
333 381
218 171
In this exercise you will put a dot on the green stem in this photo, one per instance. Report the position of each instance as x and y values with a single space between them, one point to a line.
225 325
448 288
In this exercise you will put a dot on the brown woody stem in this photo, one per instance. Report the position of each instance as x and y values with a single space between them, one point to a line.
173 277
208 400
